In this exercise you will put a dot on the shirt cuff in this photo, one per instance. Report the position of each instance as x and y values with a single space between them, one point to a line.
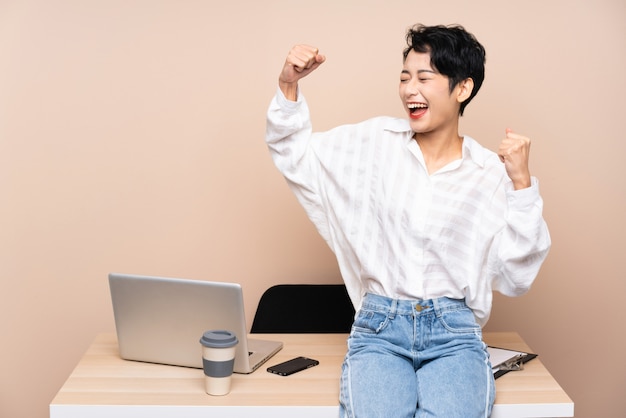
286 104
523 198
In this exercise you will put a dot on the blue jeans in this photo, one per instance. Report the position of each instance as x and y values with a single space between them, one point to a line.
416 358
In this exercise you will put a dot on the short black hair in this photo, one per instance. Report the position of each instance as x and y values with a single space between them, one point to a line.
454 52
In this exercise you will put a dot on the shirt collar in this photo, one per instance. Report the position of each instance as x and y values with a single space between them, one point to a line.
471 148
397 125
474 151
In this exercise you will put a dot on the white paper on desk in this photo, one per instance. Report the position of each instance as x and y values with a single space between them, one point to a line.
497 356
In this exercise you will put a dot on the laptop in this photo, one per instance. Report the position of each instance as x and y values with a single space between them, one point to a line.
161 320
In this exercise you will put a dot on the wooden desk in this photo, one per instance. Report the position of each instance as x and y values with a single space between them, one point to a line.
103 385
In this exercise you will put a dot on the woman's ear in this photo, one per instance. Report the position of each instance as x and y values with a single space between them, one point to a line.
465 89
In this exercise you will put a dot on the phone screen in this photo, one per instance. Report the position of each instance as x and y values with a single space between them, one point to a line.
292 366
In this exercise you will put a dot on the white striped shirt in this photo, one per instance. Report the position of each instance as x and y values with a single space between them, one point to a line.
396 230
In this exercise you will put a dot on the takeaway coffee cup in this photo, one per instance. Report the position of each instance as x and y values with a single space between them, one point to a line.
218 359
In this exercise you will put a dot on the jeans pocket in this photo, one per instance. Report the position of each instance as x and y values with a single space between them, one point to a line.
459 321
370 322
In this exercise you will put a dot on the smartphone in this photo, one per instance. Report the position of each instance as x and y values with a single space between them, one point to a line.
292 366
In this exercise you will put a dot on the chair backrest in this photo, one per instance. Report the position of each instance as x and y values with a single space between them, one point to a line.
304 308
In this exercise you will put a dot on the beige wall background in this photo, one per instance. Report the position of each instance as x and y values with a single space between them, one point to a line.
131 140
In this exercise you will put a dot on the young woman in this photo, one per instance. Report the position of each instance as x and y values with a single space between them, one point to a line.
425 223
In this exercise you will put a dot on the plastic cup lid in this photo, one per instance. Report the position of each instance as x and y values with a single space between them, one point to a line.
218 339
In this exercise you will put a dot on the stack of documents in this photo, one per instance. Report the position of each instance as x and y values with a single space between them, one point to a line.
504 360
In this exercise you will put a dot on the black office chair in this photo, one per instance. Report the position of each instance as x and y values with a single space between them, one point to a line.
304 308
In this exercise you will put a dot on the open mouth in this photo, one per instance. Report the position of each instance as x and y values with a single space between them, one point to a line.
416 110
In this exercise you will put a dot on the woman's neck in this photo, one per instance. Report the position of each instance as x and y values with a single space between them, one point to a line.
439 150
